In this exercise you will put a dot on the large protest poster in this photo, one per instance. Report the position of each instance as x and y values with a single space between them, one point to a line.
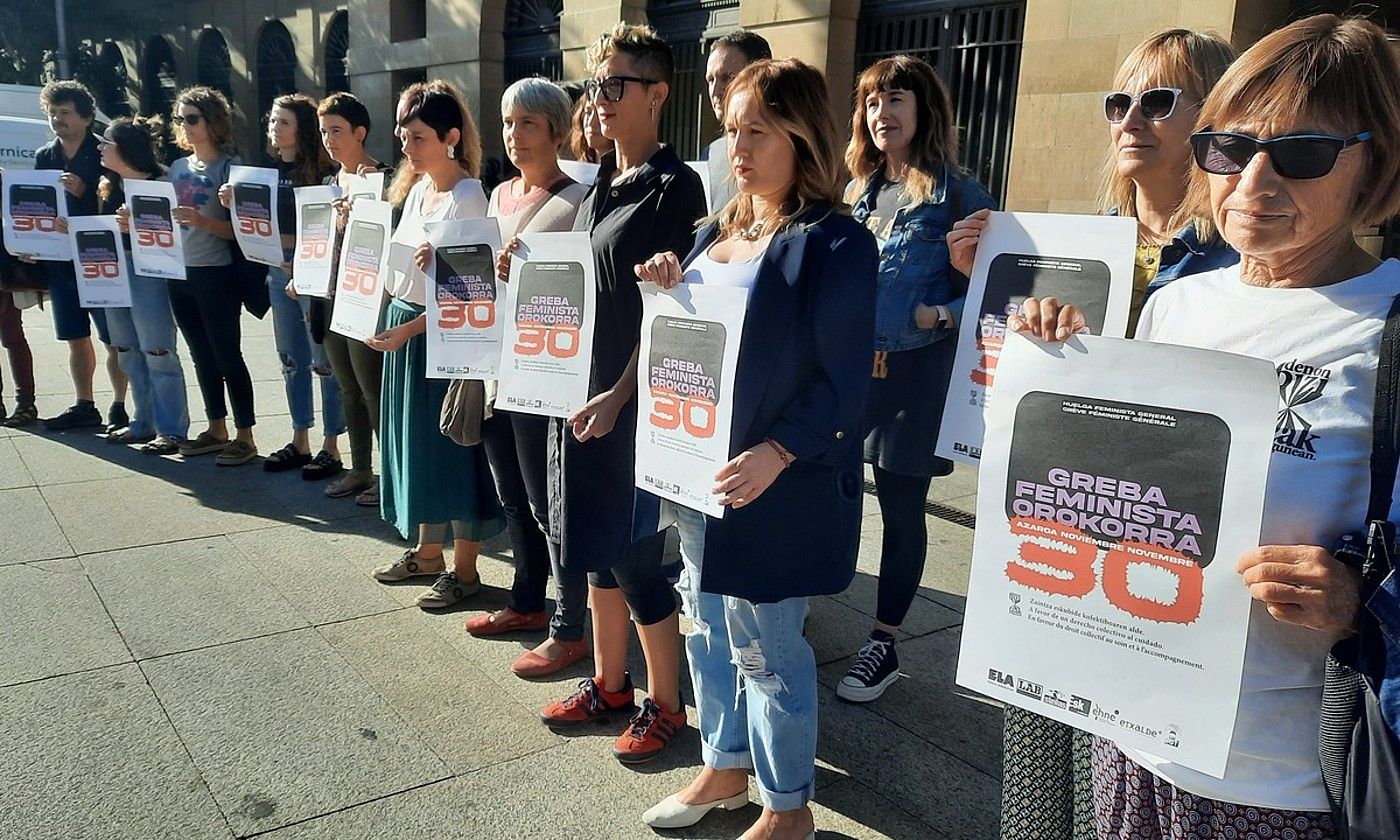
580 170
314 257
34 202
464 330
359 283
99 262
157 249
547 349
1120 482
254 213
1083 260
370 185
685 389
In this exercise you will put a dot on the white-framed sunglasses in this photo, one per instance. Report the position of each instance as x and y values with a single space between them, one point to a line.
1156 103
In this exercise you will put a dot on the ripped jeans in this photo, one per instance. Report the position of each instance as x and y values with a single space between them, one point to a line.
755 679
300 358
144 338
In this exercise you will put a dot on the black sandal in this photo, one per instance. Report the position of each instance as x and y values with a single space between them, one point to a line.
24 415
323 466
286 458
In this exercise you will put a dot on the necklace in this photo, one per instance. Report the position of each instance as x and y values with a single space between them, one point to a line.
755 231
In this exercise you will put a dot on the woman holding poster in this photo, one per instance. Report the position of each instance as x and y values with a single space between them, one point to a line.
534 124
144 333
909 189
645 200
430 486
345 126
1320 97
208 303
800 391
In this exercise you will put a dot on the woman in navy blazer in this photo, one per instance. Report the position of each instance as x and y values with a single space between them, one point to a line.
793 484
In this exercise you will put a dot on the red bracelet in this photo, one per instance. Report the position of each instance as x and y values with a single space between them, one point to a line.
783 455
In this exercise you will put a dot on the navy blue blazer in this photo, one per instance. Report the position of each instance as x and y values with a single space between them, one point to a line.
803 374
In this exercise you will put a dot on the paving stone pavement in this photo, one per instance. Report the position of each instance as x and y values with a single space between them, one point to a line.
193 652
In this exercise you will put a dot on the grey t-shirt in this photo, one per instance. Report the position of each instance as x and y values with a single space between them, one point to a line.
197 185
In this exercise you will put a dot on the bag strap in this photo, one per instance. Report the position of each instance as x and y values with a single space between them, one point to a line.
1385 430
554 189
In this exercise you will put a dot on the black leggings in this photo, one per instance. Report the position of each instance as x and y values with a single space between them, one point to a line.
642 578
207 308
905 543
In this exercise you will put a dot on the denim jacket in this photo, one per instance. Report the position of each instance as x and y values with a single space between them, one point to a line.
914 266
1187 255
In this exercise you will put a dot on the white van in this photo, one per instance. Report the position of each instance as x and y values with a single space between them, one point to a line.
23 126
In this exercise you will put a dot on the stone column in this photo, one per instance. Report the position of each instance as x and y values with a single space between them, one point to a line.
820 32
584 20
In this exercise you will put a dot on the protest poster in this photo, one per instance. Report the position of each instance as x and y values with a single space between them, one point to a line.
157 249
464 332
314 257
254 213
1120 482
99 262
369 185
547 348
34 202
1083 260
580 170
702 168
359 283
687 362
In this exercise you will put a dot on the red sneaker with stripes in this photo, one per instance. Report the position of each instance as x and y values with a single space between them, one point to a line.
650 730
589 702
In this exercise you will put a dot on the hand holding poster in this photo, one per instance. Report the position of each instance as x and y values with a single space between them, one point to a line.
254 213
1083 260
1118 487
685 389
315 248
99 261
359 284
547 349
34 201
157 249
464 332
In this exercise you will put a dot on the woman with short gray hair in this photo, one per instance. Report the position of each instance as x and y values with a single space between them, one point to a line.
535 121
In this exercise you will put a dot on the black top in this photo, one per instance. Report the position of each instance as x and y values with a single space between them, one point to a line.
654 210
286 199
86 164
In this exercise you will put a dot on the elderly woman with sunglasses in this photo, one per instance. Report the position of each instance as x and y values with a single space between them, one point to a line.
1289 162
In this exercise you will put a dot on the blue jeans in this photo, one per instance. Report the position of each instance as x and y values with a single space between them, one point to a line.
144 338
755 679
300 358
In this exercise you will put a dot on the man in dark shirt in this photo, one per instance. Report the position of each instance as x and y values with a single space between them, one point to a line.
69 106
729 54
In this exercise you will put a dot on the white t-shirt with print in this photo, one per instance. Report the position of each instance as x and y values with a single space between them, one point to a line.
467 201
1324 344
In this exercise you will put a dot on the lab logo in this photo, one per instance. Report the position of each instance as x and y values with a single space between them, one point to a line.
1029 689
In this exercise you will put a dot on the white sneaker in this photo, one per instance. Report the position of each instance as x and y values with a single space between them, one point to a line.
672 813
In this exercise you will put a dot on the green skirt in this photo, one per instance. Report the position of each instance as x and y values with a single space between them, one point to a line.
425 478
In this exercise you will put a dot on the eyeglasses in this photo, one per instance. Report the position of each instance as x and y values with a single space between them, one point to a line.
613 87
1299 157
189 119
1156 103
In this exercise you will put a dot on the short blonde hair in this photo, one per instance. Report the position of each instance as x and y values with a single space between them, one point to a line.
1334 70
1179 58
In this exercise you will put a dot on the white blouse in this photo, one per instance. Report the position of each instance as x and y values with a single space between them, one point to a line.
467 201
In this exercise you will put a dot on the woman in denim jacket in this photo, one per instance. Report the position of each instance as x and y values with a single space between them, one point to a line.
910 190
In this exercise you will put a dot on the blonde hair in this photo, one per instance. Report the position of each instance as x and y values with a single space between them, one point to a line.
442 108
645 46
1179 58
792 97
936 133
1329 69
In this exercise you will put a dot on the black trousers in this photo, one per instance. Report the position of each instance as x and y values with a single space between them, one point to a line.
208 307
904 545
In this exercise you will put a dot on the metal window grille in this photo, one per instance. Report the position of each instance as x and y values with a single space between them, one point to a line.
688 26
213 67
976 47
158 79
277 65
337 49
111 87
531 36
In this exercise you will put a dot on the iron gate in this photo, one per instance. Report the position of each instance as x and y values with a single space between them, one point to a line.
688 26
531 36
976 47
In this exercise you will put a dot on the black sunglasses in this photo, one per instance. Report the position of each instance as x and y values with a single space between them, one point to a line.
613 87
1156 103
1299 157
190 119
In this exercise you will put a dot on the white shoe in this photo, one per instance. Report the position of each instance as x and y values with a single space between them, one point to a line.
673 813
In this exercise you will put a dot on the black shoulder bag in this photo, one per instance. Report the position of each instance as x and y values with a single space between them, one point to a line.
1359 753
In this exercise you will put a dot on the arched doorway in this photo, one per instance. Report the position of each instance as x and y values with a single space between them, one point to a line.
213 66
337 74
276 65
688 26
158 77
976 47
111 81
531 36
